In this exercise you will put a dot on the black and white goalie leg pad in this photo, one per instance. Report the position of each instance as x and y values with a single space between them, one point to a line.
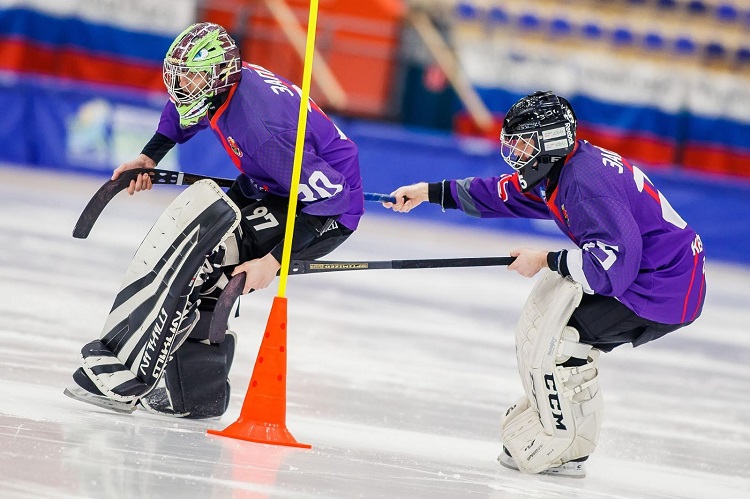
84 390
148 318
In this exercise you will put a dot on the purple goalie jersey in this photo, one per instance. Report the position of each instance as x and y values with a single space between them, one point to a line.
631 244
257 125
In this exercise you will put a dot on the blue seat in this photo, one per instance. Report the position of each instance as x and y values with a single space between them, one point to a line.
743 55
497 15
666 4
715 50
592 31
466 11
529 21
697 7
727 13
560 26
653 41
684 45
622 36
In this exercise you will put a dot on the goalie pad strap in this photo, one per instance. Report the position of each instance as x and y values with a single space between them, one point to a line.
573 349
144 326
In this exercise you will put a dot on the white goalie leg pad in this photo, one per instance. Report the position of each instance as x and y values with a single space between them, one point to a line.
147 321
562 418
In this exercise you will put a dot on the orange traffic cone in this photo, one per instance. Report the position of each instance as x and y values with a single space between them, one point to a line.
263 415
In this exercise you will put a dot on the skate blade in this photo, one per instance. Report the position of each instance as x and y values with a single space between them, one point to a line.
161 411
78 393
569 470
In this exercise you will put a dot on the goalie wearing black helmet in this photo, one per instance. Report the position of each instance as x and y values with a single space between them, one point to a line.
635 274
537 133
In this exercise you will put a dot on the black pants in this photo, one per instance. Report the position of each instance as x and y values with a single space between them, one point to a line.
261 228
605 323
264 222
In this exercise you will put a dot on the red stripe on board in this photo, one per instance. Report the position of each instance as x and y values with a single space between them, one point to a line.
637 147
67 62
717 159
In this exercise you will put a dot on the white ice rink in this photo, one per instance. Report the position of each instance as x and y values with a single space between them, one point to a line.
397 378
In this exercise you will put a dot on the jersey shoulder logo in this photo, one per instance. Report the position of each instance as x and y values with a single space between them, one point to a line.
235 148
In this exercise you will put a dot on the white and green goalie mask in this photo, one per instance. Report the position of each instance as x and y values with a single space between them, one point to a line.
202 62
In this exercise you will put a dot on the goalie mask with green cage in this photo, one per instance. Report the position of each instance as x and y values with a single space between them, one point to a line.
202 62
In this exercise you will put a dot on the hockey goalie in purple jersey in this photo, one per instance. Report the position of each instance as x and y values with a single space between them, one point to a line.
155 350
637 274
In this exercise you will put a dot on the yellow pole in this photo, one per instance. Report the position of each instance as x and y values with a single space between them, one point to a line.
297 167
327 81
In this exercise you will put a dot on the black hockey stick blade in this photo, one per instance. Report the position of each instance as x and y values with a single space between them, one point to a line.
318 266
111 188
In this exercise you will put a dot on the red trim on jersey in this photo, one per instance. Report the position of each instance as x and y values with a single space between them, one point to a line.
650 190
690 286
551 205
214 124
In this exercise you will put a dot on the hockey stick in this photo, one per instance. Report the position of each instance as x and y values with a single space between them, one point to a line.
234 288
318 266
109 190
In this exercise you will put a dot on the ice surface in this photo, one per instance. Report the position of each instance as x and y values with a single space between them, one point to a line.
397 378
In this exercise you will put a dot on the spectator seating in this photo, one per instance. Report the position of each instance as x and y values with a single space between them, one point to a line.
710 32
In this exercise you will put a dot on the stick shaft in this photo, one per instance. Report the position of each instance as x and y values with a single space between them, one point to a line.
319 266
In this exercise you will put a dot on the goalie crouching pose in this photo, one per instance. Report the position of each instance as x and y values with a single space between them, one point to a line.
636 274
158 348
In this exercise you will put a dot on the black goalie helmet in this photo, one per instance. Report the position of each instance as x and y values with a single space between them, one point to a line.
538 131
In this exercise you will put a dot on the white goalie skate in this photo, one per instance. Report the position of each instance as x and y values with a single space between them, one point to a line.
571 469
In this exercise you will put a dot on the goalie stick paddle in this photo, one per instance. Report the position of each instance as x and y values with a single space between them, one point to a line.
218 327
109 190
